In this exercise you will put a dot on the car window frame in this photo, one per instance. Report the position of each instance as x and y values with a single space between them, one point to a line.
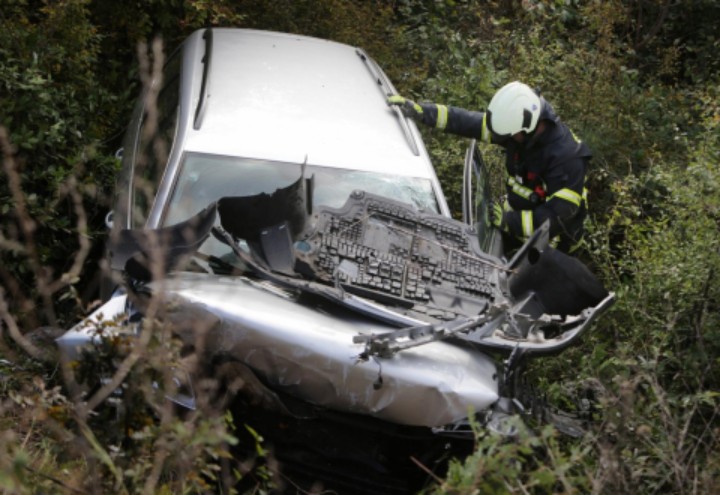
476 198
168 105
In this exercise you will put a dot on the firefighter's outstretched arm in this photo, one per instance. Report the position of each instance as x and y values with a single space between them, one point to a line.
452 120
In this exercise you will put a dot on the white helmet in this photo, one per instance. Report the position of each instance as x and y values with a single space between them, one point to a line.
514 108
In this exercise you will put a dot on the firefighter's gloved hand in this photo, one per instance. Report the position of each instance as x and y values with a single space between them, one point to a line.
408 107
497 216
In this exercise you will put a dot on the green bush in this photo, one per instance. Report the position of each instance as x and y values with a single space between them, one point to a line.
56 117
531 462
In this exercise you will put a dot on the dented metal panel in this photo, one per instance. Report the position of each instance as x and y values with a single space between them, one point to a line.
310 354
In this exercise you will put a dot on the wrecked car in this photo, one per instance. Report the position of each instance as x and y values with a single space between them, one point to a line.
296 226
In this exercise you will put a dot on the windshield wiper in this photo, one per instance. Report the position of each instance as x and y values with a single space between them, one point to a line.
387 344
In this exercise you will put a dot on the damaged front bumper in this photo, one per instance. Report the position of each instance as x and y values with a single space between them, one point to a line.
373 309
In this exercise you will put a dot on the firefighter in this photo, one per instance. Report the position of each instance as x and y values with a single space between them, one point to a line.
545 162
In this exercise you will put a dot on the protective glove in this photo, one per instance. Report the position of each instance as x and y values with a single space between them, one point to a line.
408 107
497 216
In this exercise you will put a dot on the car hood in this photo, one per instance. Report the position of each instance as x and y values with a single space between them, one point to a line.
373 308
307 349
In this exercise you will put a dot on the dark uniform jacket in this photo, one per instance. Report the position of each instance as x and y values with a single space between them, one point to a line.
545 175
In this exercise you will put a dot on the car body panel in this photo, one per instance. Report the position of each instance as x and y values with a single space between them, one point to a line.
292 99
306 98
310 353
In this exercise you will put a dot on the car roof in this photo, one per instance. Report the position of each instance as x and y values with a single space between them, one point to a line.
290 98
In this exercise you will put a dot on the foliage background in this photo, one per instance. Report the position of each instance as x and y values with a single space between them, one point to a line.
636 79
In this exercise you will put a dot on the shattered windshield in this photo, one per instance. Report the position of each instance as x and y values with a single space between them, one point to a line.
205 178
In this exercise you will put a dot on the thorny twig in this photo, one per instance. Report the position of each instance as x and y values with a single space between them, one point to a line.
151 75
424 468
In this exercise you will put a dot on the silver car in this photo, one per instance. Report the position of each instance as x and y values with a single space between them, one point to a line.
304 234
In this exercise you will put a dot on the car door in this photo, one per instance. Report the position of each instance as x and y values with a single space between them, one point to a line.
476 201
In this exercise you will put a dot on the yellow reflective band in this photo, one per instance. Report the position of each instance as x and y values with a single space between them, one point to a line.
442 116
484 132
519 189
527 222
568 195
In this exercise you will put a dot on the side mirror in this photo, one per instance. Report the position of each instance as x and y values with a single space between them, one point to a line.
109 219
119 153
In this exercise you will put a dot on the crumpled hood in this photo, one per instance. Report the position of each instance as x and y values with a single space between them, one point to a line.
310 353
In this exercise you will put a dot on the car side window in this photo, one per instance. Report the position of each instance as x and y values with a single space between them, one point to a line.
157 132
476 200
482 202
